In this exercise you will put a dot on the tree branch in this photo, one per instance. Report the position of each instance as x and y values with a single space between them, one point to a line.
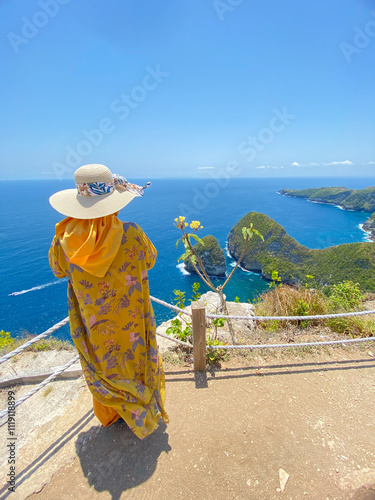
237 263
209 282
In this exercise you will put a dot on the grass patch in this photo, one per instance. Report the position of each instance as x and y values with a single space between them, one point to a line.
47 391
47 344
289 301
175 358
303 301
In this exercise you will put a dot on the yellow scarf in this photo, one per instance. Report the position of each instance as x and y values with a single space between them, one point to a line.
91 244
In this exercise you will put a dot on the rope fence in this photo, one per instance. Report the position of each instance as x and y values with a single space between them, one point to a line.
291 344
170 306
42 384
177 341
35 339
293 318
198 315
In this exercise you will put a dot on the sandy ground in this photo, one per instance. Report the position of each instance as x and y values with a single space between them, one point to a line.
237 432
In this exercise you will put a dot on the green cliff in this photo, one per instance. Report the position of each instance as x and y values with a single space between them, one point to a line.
212 257
369 226
280 252
359 200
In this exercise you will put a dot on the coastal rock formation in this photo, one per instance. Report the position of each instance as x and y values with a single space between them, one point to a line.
294 262
359 200
212 302
369 226
212 257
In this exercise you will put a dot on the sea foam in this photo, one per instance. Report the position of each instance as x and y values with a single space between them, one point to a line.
182 268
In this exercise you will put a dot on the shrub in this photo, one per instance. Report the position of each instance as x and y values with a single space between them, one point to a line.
5 339
176 329
214 356
355 326
345 296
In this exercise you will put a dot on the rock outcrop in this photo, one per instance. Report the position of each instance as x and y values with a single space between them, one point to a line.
212 257
212 303
294 262
369 226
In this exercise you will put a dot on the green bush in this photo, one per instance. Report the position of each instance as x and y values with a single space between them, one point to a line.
355 326
176 330
5 339
345 296
214 356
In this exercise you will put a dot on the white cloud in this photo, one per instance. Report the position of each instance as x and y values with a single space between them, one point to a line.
345 162
371 163
314 165
295 164
269 166
206 168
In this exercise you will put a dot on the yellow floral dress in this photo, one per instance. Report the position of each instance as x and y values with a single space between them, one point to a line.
113 328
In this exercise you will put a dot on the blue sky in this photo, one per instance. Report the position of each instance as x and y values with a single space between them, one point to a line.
185 88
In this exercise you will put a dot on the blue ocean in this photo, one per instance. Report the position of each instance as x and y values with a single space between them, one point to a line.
32 299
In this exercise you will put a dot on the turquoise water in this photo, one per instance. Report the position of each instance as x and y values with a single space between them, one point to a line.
32 299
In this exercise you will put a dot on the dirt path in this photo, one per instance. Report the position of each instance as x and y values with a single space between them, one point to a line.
231 436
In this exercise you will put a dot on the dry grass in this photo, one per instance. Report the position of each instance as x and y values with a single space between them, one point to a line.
47 391
356 326
289 301
47 344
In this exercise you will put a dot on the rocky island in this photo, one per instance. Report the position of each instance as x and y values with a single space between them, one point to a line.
212 257
282 253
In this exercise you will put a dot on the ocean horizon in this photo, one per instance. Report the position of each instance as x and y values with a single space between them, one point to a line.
32 299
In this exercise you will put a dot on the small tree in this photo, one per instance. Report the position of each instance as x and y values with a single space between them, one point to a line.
189 254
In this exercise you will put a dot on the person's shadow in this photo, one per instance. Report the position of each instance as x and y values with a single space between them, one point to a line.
113 459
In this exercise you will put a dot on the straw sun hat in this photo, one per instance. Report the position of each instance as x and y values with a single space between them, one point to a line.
98 193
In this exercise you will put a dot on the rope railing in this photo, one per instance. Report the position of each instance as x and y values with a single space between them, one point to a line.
41 385
199 337
35 339
170 306
63 322
291 344
293 318
177 341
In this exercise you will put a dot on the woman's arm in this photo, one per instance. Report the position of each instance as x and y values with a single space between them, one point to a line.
54 259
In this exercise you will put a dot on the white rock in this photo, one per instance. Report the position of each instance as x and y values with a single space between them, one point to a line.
283 477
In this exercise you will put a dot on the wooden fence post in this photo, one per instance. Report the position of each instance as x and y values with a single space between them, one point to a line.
198 310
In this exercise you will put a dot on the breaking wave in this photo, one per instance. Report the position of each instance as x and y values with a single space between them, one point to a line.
182 268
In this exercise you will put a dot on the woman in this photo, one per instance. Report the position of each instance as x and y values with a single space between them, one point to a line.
111 318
